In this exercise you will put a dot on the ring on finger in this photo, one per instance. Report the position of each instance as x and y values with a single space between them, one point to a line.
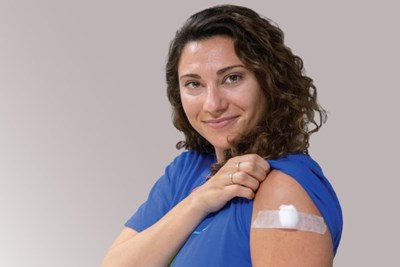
231 177
238 166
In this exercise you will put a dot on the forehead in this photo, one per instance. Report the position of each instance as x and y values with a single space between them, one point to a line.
214 52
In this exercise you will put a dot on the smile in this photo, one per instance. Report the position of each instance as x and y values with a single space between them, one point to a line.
221 122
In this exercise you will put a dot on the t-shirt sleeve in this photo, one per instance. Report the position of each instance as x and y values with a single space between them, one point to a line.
158 203
310 176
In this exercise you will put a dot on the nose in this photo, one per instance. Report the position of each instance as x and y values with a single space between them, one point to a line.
215 101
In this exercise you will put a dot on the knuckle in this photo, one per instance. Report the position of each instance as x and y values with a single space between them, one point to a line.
253 157
239 176
248 194
236 189
256 184
234 159
268 167
252 165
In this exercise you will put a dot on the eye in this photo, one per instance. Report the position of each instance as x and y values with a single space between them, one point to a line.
192 85
233 78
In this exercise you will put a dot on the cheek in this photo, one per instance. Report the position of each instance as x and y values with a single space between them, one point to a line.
250 101
257 104
262 107
258 97
189 106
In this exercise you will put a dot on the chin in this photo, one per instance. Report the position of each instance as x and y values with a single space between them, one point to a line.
220 145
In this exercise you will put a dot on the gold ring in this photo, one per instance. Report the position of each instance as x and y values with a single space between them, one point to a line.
231 176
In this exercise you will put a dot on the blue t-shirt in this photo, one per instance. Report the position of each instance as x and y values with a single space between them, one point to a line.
223 238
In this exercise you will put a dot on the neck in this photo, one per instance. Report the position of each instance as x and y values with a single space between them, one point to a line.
220 153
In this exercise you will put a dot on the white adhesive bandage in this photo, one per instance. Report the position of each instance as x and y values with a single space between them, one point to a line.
287 217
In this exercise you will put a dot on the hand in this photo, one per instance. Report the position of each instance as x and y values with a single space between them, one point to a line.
239 177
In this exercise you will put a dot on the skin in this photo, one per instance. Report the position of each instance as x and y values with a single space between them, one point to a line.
220 96
277 247
221 99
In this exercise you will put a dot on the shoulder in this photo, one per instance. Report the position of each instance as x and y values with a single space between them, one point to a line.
294 177
287 184
296 165
307 178
189 162
289 180
280 188
188 169
279 247
299 180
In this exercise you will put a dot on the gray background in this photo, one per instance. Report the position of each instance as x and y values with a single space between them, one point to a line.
85 124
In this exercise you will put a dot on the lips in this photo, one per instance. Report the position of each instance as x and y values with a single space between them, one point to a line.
221 122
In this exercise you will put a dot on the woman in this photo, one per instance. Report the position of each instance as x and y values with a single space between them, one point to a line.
247 111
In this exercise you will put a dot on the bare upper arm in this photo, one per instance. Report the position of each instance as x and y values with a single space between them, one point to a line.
279 247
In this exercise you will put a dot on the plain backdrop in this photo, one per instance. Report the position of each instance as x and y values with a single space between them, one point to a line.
85 125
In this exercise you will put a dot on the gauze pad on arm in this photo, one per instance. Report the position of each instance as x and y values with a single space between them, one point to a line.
287 217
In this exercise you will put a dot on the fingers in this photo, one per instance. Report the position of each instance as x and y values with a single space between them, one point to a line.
243 179
241 191
251 164
246 174
239 177
253 169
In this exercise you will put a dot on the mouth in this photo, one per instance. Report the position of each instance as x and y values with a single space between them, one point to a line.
221 122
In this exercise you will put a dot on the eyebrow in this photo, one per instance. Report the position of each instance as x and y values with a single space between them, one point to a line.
223 70
219 72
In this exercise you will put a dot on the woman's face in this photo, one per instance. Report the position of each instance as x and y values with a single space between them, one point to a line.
220 96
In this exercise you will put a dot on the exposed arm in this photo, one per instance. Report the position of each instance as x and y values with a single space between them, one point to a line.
158 244
278 247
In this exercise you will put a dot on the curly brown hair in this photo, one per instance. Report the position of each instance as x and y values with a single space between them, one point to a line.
292 112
